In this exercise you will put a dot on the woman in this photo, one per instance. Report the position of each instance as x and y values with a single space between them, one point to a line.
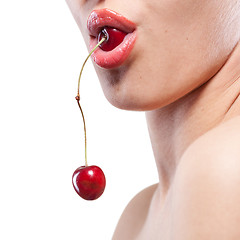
183 70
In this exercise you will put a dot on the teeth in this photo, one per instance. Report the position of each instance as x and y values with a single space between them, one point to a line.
114 37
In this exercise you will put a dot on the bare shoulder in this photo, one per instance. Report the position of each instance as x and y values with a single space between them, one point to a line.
207 192
134 215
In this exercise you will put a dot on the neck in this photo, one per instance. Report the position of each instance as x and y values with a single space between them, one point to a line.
174 127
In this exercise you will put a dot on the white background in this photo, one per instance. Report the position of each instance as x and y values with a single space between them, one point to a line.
41 131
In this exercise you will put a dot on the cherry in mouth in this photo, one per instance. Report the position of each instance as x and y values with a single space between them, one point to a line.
114 38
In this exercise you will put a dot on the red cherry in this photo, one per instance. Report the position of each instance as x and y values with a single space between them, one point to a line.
89 182
114 38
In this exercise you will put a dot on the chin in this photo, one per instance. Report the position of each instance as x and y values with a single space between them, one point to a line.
127 104
131 105
132 100
128 88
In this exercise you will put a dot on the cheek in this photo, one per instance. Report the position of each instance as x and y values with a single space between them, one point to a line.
174 54
180 45
161 73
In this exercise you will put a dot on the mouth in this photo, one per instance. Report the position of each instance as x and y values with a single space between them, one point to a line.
120 40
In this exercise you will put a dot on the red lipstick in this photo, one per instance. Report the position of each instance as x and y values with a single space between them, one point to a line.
106 18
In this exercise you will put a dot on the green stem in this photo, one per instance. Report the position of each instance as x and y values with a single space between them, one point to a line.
78 96
102 40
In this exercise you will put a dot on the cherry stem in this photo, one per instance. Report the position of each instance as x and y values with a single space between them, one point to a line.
78 96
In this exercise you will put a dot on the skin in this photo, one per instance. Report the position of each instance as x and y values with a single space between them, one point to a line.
184 72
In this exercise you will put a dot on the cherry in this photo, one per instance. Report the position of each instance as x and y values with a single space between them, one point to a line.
114 38
89 182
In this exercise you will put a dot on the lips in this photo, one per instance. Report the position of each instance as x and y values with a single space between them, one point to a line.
98 19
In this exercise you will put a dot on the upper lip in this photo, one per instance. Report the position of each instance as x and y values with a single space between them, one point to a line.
106 17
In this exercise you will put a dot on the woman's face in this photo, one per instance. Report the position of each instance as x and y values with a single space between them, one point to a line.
180 45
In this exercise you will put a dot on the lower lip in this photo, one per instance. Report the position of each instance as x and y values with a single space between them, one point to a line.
117 56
